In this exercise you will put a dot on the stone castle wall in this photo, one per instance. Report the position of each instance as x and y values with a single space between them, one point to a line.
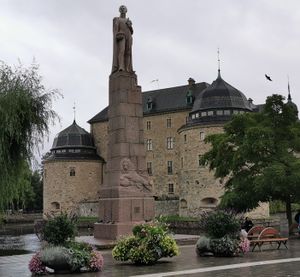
195 186
199 188
63 192
166 207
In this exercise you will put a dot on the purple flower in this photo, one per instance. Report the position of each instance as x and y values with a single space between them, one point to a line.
36 266
96 262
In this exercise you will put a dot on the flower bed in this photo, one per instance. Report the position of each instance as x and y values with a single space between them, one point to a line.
62 253
149 243
222 235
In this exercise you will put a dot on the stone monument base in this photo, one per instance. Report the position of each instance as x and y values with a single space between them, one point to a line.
112 231
118 215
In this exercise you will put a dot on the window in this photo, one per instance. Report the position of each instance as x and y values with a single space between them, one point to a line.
199 160
197 115
193 116
183 204
148 125
149 104
203 114
170 143
72 171
170 167
55 206
209 201
169 122
209 113
171 188
149 144
219 112
189 99
226 112
235 112
202 135
181 162
184 138
149 168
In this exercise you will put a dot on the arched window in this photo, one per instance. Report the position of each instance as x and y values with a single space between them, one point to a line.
55 206
209 201
72 171
183 204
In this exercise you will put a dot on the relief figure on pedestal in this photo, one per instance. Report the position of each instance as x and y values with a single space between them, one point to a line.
122 42
130 178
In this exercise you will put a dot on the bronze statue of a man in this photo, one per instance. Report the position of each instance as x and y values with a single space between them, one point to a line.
122 44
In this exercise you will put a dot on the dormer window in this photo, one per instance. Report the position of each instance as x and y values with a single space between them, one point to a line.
189 98
149 104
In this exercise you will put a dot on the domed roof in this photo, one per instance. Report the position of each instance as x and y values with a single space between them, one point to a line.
73 143
220 95
73 136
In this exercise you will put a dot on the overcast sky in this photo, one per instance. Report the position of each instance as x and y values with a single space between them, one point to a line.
173 40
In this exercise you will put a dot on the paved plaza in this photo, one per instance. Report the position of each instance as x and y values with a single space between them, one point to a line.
269 262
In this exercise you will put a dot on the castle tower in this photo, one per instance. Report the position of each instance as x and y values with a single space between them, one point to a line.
126 195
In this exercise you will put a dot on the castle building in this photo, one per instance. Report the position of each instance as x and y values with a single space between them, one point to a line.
72 173
176 122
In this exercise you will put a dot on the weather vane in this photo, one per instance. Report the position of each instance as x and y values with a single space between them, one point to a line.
74 111
218 58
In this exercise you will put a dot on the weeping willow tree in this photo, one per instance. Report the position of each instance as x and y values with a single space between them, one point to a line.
25 116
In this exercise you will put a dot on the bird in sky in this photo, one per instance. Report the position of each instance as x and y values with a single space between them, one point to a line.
268 77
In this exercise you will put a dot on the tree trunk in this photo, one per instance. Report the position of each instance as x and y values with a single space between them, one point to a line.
288 206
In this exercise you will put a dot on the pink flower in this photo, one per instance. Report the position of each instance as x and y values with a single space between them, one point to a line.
36 266
244 245
96 261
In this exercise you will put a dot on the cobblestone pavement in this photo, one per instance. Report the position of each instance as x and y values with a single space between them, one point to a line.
269 262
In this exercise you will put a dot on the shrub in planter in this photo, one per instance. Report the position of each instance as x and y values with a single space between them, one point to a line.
74 257
203 246
149 243
56 257
225 246
121 251
59 229
63 253
220 223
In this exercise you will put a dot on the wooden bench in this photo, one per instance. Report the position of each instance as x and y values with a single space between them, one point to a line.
254 232
268 235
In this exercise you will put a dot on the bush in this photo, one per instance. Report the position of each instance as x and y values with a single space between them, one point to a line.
79 257
73 257
56 257
62 252
149 243
220 223
121 251
225 246
59 229
203 246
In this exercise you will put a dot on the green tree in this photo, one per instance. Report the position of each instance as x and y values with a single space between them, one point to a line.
25 116
257 153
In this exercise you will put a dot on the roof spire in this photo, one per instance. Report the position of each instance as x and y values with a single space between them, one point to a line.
74 111
289 95
219 70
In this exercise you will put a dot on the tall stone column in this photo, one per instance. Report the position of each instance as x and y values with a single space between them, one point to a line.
126 196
